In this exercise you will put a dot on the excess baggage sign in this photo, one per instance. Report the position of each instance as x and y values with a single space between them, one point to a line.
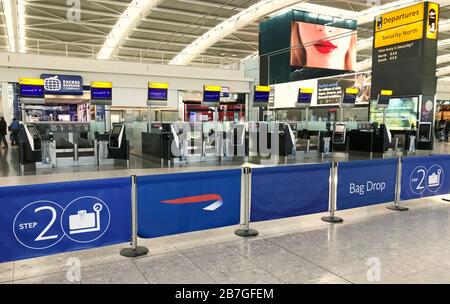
62 84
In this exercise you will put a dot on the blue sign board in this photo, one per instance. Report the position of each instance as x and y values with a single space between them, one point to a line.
157 94
211 96
176 203
281 192
62 84
363 183
32 91
425 176
101 93
261 96
38 220
304 98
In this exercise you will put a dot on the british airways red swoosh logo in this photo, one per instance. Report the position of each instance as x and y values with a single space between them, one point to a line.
198 199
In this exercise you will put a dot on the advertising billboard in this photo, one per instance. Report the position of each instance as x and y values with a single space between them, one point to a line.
330 90
401 113
299 45
322 46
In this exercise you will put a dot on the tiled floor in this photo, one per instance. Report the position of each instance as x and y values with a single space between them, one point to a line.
408 247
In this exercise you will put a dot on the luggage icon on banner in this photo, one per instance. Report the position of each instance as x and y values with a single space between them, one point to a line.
434 179
84 222
52 84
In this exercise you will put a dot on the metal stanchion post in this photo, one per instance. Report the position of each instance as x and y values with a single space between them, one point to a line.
135 250
398 189
245 202
96 156
333 196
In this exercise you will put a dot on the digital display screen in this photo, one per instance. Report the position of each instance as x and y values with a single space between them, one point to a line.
304 98
211 96
383 99
261 96
424 132
401 113
28 90
322 46
116 130
339 129
349 98
33 131
101 93
157 94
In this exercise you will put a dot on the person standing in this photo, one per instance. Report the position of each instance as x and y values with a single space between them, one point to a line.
15 126
3 133
447 130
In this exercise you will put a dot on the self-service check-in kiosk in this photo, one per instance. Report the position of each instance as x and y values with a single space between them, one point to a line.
339 139
424 136
30 148
118 144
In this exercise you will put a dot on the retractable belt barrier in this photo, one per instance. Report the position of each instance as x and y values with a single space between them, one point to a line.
364 183
425 176
287 191
38 220
183 202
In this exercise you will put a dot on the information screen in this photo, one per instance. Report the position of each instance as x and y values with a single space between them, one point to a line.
101 93
383 100
425 132
349 98
116 130
211 96
32 91
157 94
304 98
261 96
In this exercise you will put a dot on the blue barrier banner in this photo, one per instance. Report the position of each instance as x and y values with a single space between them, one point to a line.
364 183
425 176
280 192
38 220
183 202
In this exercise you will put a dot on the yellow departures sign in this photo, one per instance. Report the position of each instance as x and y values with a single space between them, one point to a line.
400 17
407 24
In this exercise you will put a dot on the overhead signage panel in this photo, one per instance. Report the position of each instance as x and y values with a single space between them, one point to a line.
405 33
62 84
407 15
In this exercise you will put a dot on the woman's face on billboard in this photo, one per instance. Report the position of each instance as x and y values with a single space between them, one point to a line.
325 46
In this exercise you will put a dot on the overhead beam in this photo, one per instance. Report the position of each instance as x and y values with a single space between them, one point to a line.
135 12
10 14
228 27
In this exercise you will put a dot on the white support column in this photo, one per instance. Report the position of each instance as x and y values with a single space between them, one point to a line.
7 103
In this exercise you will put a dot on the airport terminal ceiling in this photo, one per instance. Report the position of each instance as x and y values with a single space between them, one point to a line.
167 27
